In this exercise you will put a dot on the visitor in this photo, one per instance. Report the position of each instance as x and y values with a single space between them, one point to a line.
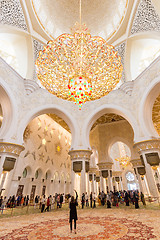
43 201
36 202
58 200
83 200
99 198
94 200
126 198
136 199
1 199
143 199
73 213
91 199
102 198
61 200
86 199
4 201
108 200
48 204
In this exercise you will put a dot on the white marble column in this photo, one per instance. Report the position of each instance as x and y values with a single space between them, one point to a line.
72 181
93 183
83 157
110 183
121 184
149 147
83 178
139 181
150 178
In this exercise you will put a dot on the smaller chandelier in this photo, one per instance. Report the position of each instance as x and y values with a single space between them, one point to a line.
78 67
123 160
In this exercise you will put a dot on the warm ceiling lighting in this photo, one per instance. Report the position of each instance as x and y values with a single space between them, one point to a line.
78 67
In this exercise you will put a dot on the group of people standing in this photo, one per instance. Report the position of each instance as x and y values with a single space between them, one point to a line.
88 198
43 202
112 198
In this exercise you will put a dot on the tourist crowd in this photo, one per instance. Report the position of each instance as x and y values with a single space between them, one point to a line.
89 200
113 198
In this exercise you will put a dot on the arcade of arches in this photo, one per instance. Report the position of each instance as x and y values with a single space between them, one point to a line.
48 145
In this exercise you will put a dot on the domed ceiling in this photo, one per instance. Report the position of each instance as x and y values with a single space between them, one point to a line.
102 17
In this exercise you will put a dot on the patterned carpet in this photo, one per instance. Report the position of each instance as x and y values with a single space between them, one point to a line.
91 225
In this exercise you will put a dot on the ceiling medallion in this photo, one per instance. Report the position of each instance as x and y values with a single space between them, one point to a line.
78 67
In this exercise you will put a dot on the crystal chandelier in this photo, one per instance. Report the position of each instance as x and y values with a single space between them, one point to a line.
78 67
124 159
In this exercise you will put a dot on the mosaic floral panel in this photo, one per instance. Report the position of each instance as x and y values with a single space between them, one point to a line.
11 13
121 50
37 47
156 114
146 18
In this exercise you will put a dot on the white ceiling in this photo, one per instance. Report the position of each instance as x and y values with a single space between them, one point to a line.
102 17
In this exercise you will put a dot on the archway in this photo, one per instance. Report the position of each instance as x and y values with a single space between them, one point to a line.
47 140
156 114
146 107
110 109
8 111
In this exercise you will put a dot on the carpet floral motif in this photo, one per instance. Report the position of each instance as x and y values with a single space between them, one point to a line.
90 228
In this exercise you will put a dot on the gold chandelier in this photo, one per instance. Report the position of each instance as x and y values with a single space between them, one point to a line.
78 67
124 160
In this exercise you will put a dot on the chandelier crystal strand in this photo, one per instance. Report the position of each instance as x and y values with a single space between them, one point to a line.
78 67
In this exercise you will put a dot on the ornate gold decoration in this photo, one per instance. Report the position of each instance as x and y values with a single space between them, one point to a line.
123 160
78 67
156 114
105 165
11 148
136 162
107 118
79 154
154 167
27 133
146 145
116 173
60 121
58 148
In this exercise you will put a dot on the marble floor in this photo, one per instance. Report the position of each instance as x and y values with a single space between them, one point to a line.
122 224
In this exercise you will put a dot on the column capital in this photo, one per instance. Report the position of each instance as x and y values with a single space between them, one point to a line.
79 154
11 148
136 162
116 173
93 170
105 165
147 145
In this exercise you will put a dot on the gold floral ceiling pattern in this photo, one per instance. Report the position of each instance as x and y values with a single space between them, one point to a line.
107 118
60 121
156 114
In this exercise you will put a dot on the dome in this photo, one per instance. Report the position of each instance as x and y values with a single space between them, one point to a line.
57 17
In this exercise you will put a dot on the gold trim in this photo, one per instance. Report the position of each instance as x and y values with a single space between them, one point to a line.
15 144
147 145
6 147
80 150
146 141
78 154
